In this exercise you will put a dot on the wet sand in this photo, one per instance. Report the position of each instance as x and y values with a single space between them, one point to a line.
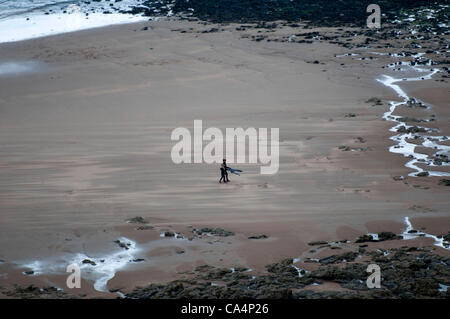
85 146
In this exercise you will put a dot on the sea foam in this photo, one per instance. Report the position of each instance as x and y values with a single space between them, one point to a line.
99 269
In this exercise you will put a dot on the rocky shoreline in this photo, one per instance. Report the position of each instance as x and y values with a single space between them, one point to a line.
319 13
407 272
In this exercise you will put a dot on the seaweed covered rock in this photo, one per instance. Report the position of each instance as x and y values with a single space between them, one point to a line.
283 267
365 238
137 220
213 231
444 182
388 236
337 274
323 12
345 257
405 273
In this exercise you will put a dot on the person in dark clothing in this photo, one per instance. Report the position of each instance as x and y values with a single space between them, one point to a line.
224 164
222 174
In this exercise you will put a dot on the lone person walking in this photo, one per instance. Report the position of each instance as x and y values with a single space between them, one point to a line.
224 172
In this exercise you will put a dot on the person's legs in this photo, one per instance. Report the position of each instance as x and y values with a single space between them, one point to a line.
226 175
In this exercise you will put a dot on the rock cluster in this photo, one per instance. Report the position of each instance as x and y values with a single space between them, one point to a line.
406 273
213 231
380 237
138 220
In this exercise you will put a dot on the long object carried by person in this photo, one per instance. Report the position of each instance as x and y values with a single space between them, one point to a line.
234 171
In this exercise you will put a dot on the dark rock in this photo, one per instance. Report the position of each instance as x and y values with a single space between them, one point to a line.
33 292
215 273
283 267
410 119
412 129
121 244
365 238
422 174
345 148
138 220
445 182
375 101
276 294
316 243
258 237
137 260
447 237
88 261
345 257
213 231
334 273
388 236
147 227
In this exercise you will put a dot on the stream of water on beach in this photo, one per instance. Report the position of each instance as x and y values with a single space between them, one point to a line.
404 147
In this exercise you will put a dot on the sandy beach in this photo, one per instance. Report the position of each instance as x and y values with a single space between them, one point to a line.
85 147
